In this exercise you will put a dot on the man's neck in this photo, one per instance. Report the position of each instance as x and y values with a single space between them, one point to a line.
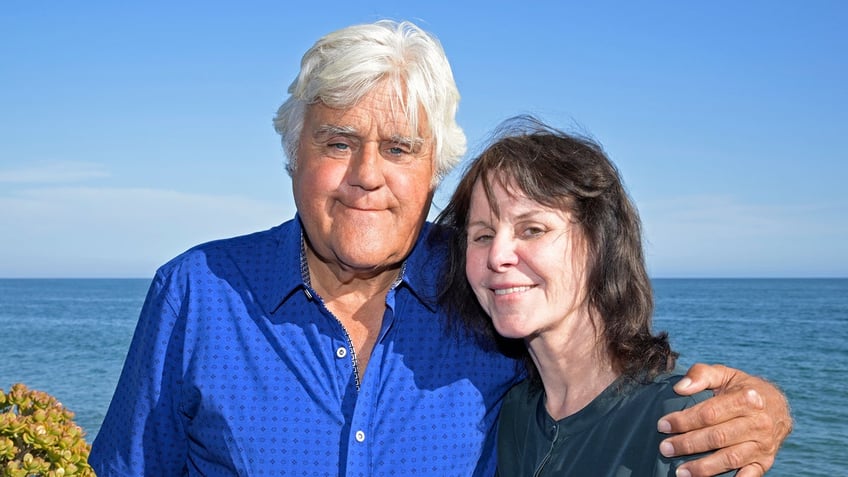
356 298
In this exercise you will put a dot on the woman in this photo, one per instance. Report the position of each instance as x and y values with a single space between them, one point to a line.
550 244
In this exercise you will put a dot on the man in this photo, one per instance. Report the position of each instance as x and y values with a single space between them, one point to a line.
318 347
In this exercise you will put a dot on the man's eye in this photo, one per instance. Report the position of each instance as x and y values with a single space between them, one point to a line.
398 150
340 146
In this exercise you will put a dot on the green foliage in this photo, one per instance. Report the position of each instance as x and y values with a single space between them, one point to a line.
38 437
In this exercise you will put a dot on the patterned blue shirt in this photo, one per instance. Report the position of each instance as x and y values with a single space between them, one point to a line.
237 368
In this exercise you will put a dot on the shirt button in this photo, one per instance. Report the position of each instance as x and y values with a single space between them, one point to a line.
360 436
341 352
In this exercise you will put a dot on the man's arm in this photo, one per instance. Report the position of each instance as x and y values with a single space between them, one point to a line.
745 423
142 433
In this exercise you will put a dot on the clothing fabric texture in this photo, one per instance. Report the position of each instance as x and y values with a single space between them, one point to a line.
615 435
236 367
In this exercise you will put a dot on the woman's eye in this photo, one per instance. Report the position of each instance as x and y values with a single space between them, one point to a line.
533 231
482 238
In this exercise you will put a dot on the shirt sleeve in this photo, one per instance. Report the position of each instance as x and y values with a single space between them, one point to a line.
143 432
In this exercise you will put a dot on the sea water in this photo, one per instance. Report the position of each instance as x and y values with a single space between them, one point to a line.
69 337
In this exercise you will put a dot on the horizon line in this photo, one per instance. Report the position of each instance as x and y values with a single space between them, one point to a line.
680 277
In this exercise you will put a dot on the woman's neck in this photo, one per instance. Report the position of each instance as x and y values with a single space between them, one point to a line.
575 366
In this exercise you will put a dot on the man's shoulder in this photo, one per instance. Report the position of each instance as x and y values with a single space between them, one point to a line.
251 249
424 265
432 244
247 241
436 235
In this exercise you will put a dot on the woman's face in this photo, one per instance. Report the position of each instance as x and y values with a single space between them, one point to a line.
525 266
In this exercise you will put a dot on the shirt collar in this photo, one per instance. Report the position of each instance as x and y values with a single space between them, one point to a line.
284 280
419 272
584 418
424 266
304 266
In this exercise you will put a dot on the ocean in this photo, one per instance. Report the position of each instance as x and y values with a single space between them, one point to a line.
68 337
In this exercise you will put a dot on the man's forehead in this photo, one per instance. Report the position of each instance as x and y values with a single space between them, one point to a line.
366 117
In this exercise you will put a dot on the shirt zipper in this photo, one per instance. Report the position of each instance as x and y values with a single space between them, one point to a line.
304 275
351 350
349 341
547 458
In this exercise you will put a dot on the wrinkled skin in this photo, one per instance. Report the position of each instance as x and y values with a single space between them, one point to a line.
748 420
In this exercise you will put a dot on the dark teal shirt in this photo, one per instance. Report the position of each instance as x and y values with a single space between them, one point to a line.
615 435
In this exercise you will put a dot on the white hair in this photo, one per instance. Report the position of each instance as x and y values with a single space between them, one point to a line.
347 64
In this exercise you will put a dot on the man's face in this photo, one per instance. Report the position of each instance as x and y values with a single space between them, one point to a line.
363 183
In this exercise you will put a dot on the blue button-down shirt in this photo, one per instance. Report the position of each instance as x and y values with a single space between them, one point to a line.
237 368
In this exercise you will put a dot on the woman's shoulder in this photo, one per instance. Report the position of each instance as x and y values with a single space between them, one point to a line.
662 390
521 399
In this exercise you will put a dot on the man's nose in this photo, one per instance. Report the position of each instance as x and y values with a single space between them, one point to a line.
365 169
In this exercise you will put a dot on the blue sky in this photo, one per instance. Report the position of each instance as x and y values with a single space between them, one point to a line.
131 131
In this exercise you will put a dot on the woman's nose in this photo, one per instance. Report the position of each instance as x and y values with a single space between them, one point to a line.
502 253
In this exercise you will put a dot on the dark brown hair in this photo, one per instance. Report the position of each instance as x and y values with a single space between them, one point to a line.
570 173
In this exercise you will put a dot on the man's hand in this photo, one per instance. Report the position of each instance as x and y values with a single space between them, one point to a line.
745 423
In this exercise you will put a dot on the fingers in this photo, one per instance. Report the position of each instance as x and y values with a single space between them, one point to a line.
745 423
723 461
713 411
704 376
739 431
752 470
